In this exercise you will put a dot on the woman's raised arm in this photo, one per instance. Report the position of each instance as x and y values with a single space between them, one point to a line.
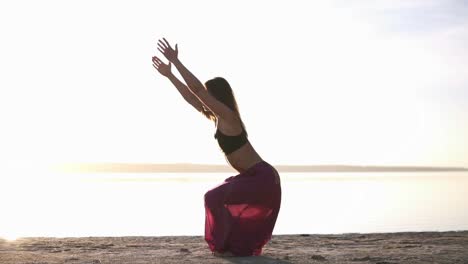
219 109
165 70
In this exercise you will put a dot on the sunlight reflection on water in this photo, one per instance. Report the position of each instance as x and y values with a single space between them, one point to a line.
172 204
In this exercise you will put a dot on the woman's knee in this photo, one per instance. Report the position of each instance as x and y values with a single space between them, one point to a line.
214 197
210 198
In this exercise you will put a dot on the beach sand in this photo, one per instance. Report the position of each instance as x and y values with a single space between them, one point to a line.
379 248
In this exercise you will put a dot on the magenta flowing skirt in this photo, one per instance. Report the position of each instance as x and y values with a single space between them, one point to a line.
241 212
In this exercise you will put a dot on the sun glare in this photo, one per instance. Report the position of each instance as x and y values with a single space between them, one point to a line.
10 237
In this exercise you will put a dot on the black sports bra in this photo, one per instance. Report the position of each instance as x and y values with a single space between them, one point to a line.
230 144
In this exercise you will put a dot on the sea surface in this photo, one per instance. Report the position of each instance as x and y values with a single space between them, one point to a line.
145 204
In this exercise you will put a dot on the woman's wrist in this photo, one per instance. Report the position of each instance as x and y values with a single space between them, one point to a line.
175 61
170 75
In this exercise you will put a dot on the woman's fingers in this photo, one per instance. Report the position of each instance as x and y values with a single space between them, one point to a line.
161 46
167 43
165 48
160 42
156 59
164 44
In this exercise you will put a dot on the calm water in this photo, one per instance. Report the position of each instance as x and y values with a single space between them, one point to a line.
172 204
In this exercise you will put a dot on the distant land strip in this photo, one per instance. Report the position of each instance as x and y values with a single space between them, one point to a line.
207 168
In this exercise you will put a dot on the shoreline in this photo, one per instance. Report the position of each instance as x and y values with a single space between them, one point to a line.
358 248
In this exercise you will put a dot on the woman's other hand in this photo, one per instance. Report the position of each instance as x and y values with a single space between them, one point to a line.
163 69
165 48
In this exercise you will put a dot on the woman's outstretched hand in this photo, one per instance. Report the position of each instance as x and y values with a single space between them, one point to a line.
165 48
163 69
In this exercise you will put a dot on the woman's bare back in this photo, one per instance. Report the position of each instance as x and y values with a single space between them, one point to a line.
244 157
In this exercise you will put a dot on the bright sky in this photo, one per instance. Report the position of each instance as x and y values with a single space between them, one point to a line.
317 82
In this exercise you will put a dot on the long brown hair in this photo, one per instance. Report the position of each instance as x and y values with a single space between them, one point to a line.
220 89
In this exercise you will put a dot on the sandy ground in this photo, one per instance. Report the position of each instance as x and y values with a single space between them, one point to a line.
391 248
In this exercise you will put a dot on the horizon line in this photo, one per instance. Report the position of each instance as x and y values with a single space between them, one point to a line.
127 167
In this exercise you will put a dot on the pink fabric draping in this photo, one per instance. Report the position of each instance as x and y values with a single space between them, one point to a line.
241 212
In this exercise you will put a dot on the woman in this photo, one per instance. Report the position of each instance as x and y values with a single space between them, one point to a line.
240 212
